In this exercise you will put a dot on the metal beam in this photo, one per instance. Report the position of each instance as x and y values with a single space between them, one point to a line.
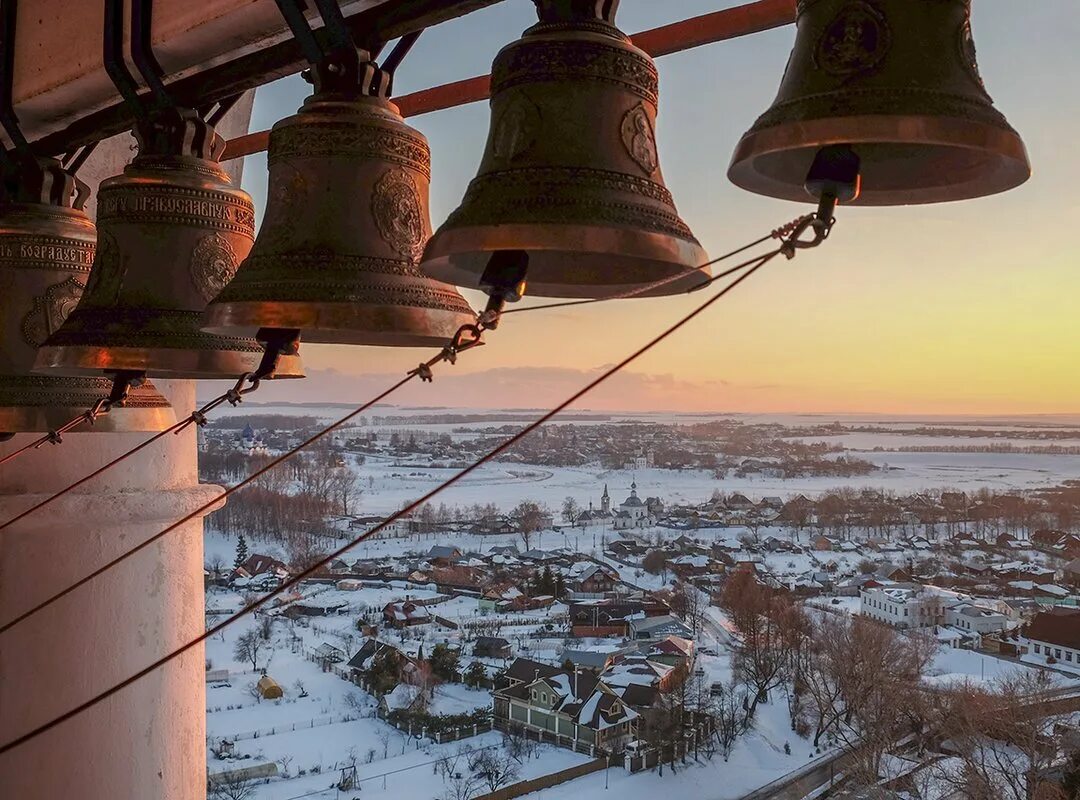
207 53
729 23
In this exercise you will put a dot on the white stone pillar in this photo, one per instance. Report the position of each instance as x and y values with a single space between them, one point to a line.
147 741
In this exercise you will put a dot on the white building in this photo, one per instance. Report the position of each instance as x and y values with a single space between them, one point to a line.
908 606
905 605
975 619
632 513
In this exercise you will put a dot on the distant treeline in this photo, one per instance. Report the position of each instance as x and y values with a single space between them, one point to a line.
276 422
967 433
1050 449
464 419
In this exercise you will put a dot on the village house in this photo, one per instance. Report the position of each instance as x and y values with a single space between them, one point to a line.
571 708
659 627
596 579
603 618
959 619
405 613
905 606
1053 637
491 647
259 568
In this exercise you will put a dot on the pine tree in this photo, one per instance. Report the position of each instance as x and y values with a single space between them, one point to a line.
560 585
547 582
241 551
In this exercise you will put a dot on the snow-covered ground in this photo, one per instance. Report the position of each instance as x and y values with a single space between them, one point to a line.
953 665
387 485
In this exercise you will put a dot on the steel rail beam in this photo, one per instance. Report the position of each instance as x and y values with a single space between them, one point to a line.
718 26
217 82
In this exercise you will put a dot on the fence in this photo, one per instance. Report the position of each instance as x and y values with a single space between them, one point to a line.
545 781
463 732
438 736
266 770
646 760
557 739
317 722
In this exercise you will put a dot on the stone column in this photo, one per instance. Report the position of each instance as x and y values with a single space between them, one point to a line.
147 742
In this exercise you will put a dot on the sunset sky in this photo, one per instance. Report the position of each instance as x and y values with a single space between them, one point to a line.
959 308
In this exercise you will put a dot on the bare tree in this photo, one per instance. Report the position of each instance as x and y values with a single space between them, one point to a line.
760 656
495 767
571 510
727 710
345 487
529 516
384 739
216 565
1003 745
249 646
230 786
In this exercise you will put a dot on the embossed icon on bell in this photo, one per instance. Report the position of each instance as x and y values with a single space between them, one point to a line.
172 230
46 249
571 173
898 81
346 222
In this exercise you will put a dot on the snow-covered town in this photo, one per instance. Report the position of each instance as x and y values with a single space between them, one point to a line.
730 625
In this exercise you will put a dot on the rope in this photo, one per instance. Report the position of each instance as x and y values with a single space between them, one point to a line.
288 584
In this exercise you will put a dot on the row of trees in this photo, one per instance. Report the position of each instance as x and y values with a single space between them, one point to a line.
854 683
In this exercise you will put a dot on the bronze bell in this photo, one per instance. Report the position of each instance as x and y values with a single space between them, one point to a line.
898 81
46 248
346 221
571 174
171 231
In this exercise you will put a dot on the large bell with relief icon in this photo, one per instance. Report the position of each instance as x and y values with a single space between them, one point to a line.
570 174
897 80
171 231
346 221
46 248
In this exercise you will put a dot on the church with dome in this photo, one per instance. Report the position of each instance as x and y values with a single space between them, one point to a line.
633 512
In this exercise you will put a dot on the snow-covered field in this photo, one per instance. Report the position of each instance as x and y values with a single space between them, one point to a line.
387 485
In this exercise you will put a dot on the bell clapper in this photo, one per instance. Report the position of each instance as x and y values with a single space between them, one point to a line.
504 280
276 342
833 178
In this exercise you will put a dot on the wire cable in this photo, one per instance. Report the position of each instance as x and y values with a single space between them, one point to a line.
678 276
196 417
250 608
206 506
53 437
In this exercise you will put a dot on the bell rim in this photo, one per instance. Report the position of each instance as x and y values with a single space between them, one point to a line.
158 362
1014 166
347 323
33 419
453 254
